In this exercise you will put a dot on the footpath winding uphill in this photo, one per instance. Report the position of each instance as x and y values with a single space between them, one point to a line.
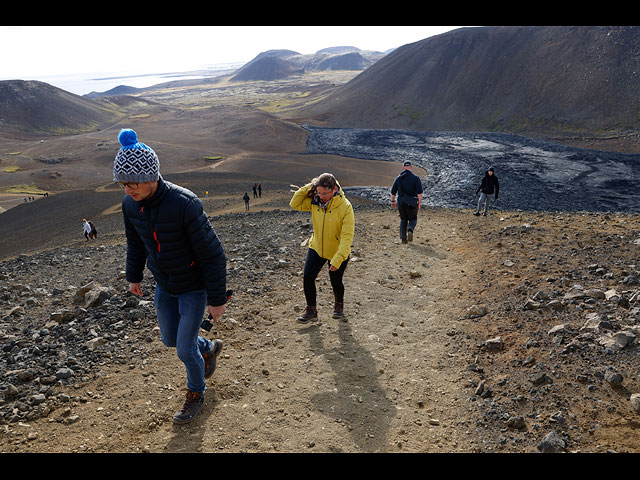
472 338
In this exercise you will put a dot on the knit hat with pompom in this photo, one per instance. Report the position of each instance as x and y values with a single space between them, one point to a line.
135 162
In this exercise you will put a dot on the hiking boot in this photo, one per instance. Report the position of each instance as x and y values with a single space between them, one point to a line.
338 310
210 358
310 314
410 235
404 241
192 405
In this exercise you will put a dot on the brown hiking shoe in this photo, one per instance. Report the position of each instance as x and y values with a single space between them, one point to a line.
192 405
210 358
338 310
310 313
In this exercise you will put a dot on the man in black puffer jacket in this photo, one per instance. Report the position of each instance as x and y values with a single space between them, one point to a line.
488 186
168 231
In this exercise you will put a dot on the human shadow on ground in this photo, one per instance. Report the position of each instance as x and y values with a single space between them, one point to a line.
359 401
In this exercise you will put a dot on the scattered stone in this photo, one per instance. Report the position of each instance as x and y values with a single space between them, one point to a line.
531 305
15 311
539 378
593 322
575 292
595 293
559 329
552 443
516 422
477 311
494 344
64 373
612 295
618 340
614 379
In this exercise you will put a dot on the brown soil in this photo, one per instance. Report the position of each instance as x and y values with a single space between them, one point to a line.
394 375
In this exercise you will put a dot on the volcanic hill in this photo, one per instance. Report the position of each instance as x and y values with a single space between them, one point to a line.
528 80
34 107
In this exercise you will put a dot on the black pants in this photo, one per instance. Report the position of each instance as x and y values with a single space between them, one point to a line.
408 219
312 267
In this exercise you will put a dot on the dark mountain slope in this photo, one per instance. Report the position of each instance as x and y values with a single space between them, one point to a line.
516 79
274 64
39 108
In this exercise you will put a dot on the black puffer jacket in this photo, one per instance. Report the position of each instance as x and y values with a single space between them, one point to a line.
172 234
489 184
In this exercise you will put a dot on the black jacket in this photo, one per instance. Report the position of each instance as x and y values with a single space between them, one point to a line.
172 234
489 184
409 186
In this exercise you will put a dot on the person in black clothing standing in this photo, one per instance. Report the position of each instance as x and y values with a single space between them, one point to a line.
488 186
409 189
167 229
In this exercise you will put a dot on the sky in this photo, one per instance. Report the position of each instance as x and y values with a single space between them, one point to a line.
38 52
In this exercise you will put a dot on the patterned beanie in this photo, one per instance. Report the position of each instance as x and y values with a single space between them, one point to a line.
135 162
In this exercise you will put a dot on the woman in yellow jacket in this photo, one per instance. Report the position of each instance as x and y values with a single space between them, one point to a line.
333 229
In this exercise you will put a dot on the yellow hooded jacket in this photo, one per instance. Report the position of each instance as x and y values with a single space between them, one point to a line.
333 227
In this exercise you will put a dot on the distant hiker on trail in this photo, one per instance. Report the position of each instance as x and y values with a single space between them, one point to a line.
246 201
487 187
409 189
255 190
259 190
167 229
94 233
86 228
333 230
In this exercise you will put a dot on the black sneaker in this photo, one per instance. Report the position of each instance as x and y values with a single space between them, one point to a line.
310 314
338 310
210 358
477 214
192 405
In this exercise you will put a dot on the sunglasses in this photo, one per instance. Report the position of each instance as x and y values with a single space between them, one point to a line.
131 185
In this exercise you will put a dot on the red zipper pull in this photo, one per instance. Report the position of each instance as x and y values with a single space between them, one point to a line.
155 237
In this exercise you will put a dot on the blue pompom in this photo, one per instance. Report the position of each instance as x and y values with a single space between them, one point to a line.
127 137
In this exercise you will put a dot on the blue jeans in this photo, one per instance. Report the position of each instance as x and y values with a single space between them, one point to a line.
484 200
179 318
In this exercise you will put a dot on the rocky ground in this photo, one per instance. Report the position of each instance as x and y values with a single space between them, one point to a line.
515 332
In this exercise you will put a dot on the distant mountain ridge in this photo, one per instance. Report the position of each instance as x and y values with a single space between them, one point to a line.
514 79
273 64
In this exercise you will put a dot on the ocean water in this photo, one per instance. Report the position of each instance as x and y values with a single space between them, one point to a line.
82 84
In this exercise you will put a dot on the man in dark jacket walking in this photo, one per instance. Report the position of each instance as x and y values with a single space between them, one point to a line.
409 189
168 230
487 187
